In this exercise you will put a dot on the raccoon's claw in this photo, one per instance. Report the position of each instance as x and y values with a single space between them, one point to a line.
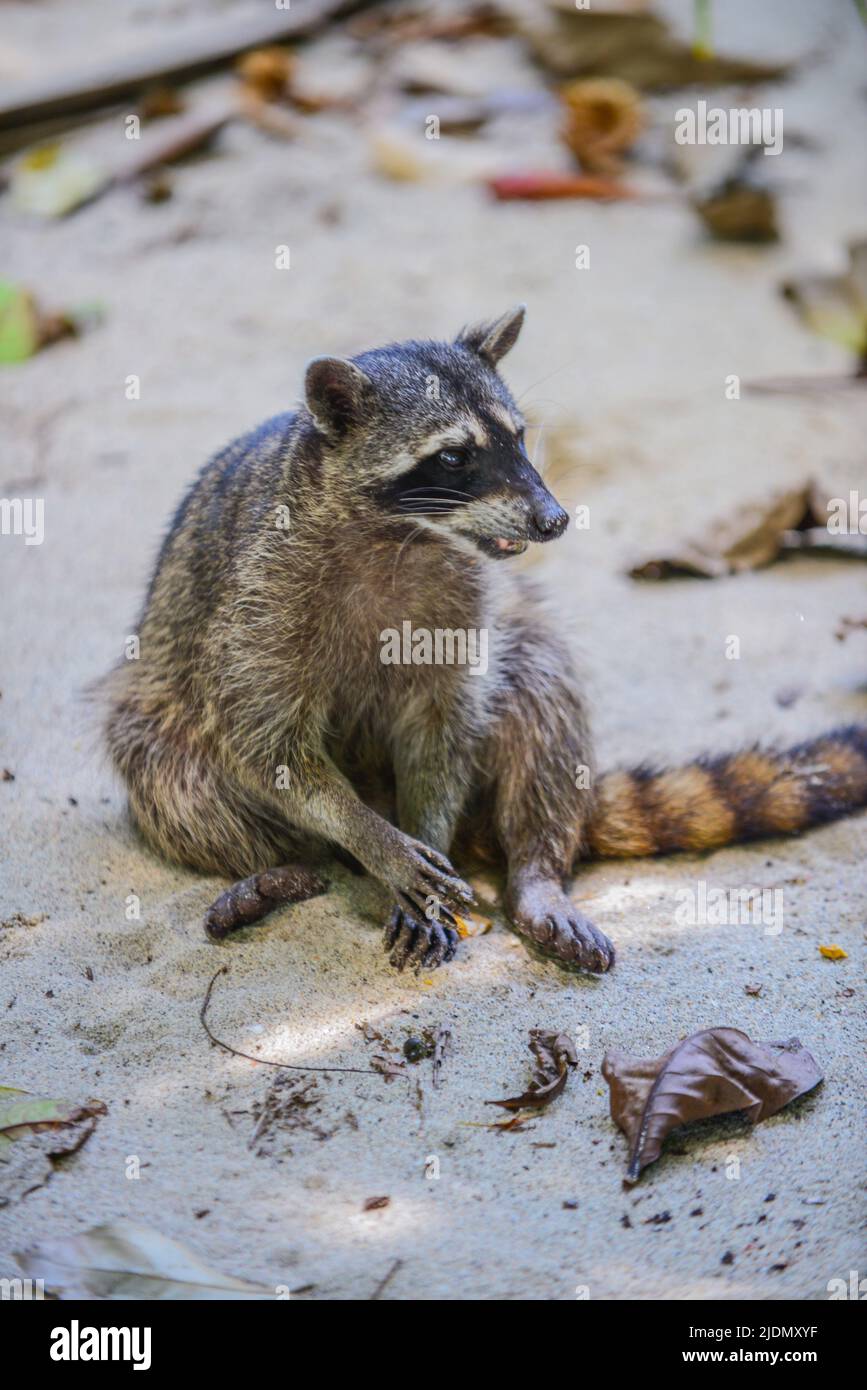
544 914
417 942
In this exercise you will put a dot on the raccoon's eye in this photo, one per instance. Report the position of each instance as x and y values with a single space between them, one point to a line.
453 458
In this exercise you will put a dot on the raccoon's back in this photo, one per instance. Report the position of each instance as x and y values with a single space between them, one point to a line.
225 504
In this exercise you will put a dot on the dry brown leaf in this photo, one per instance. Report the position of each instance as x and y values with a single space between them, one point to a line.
752 537
714 1072
555 1054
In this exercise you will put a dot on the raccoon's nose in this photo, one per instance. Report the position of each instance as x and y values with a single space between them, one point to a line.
550 520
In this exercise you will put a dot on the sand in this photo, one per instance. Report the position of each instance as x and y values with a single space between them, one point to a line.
626 365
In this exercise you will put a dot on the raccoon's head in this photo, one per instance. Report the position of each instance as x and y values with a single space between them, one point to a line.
429 432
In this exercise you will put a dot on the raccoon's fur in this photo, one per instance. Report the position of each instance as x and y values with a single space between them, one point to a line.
260 730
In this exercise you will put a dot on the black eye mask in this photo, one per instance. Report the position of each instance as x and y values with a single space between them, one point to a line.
453 477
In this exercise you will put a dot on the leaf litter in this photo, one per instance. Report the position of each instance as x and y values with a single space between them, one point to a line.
554 1054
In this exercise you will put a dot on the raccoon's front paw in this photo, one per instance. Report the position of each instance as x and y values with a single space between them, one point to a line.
546 916
421 877
415 941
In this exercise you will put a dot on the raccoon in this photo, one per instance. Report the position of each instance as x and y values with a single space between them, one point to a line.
262 731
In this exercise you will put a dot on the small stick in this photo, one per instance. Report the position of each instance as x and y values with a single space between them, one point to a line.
818 538
384 1282
441 1042
266 1062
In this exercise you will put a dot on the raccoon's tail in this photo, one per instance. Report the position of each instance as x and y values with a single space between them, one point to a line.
722 800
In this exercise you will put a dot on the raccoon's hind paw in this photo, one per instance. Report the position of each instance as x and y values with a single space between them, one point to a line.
543 914
414 941
256 896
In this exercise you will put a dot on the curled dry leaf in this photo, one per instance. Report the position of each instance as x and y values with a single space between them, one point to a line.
603 119
126 1261
268 71
555 1054
714 1072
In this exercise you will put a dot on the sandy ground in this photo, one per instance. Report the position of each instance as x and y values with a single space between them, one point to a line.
626 364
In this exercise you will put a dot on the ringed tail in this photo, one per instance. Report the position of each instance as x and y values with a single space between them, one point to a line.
731 798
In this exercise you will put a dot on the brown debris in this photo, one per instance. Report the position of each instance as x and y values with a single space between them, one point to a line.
289 1105
741 208
555 1054
541 185
376 1203
442 1040
268 72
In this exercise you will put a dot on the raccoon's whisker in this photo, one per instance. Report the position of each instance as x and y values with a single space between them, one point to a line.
422 511
537 443
412 535
423 503
533 384
432 490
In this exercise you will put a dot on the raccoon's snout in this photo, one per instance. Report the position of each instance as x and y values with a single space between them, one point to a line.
548 519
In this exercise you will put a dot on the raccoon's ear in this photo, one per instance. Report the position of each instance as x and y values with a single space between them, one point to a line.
493 339
337 394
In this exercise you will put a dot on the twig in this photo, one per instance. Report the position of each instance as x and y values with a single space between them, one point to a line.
441 1042
802 385
819 538
377 1292
265 1061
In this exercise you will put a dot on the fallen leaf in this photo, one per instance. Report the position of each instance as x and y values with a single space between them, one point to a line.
555 1054
125 1261
25 328
752 537
628 42
35 1131
22 1114
834 953
52 180
713 1072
